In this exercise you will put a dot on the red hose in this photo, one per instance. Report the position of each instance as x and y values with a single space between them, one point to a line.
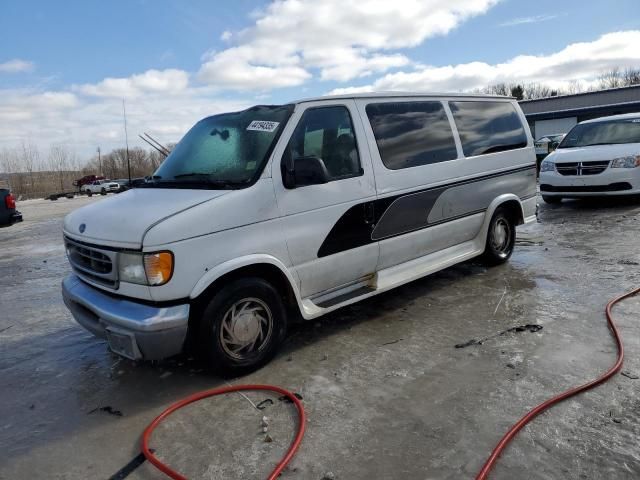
146 436
502 444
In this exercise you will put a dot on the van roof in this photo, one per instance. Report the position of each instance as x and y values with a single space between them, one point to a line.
624 116
403 94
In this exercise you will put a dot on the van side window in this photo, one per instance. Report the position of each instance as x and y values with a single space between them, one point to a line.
327 133
488 127
409 134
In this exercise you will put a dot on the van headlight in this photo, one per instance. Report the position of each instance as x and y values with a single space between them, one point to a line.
631 161
152 269
547 166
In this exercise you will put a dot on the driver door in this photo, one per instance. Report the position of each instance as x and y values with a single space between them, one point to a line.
328 226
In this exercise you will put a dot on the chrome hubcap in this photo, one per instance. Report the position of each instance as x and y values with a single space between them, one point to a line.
500 237
246 328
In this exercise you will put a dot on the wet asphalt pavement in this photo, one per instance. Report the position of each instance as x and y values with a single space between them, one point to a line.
387 393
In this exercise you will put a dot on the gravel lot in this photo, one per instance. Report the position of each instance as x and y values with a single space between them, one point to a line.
387 393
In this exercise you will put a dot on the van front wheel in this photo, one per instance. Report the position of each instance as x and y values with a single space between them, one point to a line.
242 327
501 238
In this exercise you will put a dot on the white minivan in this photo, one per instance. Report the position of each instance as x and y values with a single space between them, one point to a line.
599 157
261 216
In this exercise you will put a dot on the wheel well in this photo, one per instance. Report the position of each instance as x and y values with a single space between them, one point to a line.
514 210
266 271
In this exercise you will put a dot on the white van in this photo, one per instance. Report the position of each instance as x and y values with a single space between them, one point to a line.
275 212
597 158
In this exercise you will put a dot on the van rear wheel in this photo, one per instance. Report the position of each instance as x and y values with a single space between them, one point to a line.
242 327
501 238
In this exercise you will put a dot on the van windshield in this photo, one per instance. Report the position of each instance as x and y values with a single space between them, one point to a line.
603 133
224 151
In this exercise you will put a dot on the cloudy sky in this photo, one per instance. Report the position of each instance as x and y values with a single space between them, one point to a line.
66 66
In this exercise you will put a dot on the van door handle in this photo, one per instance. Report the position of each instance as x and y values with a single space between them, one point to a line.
369 213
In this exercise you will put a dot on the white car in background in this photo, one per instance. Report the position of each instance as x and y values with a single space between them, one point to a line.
598 157
102 187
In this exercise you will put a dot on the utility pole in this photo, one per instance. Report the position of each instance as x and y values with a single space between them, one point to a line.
99 162
126 139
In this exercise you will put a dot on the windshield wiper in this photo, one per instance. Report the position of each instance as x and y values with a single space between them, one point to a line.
200 178
193 174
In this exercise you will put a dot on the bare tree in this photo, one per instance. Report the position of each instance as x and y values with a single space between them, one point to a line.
498 89
610 79
59 162
574 87
631 76
30 160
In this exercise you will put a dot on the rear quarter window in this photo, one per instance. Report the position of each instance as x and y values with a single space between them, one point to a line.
410 134
488 127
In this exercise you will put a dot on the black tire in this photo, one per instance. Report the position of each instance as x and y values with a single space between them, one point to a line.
89 193
501 238
215 344
103 192
551 200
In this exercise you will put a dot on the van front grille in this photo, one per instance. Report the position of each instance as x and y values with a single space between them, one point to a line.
582 168
92 262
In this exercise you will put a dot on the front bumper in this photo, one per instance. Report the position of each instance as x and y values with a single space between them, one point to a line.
14 217
618 181
134 330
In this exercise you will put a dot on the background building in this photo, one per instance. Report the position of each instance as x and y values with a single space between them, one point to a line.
558 114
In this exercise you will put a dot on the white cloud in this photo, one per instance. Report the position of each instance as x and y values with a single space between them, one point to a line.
85 122
16 66
152 81
533 19
344 39
581 62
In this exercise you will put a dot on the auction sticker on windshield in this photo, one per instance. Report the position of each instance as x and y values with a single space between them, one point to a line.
263 126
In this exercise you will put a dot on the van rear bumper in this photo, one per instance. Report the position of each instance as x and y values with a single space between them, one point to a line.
134 330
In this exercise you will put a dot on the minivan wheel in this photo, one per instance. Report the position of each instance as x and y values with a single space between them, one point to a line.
501 238
551 200
103 192
242 327
89 193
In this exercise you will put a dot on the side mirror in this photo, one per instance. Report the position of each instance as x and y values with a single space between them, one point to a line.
306 171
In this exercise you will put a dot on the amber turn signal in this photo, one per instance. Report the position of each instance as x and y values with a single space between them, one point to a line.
158 267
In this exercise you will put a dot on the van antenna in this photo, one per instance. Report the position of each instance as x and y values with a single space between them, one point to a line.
158 144
160 151
126 139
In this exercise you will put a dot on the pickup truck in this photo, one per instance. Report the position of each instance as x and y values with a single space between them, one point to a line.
8 213
101 186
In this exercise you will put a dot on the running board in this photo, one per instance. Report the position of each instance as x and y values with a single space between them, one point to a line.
391 277
345 297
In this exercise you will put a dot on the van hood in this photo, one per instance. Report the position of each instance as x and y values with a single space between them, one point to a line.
122 220
594 152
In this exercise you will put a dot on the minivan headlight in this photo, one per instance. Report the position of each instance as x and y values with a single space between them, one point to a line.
626 162
152 269
547 166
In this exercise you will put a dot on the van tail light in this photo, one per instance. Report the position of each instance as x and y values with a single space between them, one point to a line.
10 202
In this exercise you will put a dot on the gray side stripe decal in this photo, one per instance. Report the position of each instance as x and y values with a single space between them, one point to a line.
395 215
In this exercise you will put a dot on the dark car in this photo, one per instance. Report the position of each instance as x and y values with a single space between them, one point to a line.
8 213
126 185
